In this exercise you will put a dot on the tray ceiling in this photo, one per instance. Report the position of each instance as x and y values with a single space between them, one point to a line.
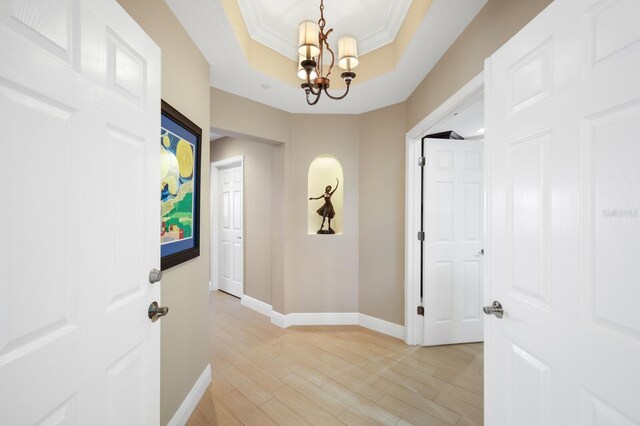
258 78
274 23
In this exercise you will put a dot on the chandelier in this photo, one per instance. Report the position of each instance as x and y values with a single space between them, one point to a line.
312 48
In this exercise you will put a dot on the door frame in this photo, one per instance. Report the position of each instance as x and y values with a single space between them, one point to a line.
413 324
216 166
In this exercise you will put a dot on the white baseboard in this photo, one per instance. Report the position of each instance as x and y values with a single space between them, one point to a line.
278 319
256 305
381 326
338 318
324 318
190 403
213 286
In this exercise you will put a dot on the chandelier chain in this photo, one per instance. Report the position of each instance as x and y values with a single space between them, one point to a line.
321 21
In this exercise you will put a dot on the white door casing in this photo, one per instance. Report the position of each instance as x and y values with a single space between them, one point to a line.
467 95
562 120
454 221
230 245
80 104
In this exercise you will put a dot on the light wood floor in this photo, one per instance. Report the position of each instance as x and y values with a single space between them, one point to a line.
332 375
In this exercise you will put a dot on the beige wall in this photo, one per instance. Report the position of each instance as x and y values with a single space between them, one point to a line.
245 120
310 273
382 176
495 24
185 85
241 117
321 271
259 186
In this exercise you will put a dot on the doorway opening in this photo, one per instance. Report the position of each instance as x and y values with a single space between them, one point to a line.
445 222
227 231
452 251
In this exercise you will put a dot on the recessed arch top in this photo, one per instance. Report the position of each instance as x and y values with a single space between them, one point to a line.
325 170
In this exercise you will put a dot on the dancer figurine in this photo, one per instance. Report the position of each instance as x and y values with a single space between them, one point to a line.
326 211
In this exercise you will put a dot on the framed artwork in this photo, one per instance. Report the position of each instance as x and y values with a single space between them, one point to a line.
180 144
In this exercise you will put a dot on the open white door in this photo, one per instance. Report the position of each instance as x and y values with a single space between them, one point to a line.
80 213
230 252
563 119
454 218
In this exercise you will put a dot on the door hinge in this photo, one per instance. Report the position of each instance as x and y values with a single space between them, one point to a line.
421 236
421 310
421 161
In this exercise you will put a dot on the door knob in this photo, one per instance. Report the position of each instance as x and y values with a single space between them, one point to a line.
156 312
481 252
494 309
155 276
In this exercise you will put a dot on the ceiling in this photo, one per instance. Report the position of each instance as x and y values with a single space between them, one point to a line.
272 27
274 23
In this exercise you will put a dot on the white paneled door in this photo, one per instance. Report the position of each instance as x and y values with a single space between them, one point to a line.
454 212
80 215
563 126
230 252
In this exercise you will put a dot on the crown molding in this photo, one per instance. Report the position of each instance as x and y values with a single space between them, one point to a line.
268 36
386 35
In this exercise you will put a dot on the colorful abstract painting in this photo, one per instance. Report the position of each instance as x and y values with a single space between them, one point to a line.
178 187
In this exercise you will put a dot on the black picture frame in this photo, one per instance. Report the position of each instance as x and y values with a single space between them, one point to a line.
170 114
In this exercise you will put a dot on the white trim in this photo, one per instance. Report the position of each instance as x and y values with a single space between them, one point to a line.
194 396
227 162
314 318
278 319
471 92
324 318
273 39
256 305
338 318
412 325
381 326
213 193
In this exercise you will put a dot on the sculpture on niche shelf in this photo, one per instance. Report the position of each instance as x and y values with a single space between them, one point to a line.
326 211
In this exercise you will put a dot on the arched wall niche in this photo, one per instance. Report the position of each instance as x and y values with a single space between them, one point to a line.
323 171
